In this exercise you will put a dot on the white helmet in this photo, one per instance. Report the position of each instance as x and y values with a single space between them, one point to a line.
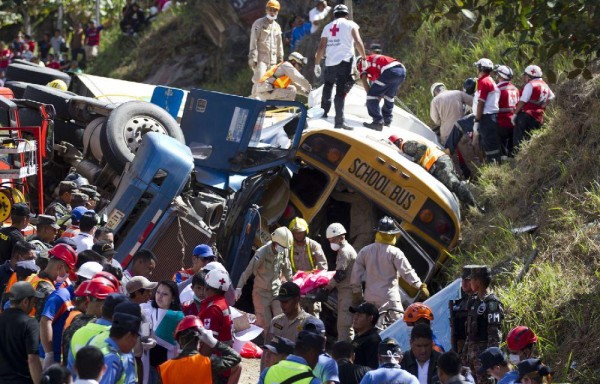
435 86
504 72
340 9
89 269
298 58
218 279
533 71
282 236
214 265
484 63
335 229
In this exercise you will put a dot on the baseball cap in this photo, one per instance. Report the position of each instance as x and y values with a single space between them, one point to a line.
21 210
112 300
312 324
532 365
127 316
366 308
280 346
489 358
77 213
27 266
389 347
67 186
47 220
288 290
139 282
310 339
88 218
79 198
66 240
22 290
104 248
203 250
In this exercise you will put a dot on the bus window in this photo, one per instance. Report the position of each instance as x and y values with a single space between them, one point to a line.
308 184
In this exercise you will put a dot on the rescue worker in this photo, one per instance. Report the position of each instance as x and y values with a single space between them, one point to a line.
484 320
266 44
267 265
345 256
283 81
438 164
520 343
378 265
529 113
458 314
190 365
62 205
485 108
381 77
362 215
306 255
389 371
338 40
509 97
420 313
19 216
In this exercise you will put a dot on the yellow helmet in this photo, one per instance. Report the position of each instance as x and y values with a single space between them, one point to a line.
58 84
273 4
298 224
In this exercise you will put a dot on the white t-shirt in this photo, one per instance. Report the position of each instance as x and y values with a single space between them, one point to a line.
340 43
84 241
422 372
315 15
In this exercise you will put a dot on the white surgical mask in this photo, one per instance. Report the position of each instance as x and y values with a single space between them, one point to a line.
274 17
279 248
514 358
335 246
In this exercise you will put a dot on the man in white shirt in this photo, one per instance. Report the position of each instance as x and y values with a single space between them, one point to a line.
318 14
84 240
421 359
337 44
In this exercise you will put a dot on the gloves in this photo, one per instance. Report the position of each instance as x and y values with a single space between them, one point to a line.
318 70
252 64
357 298
513 119
238 293
423 293
476 127
48 360
148 344
206 337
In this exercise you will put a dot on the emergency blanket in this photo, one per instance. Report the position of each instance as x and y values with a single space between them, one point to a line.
309 281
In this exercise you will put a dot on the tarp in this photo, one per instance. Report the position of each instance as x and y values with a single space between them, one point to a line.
441 318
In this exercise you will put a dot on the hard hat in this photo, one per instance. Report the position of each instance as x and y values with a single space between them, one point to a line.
65 253
77 178
214 265
533 71
394 138
100 287
58 84
273 4
80 291
417 311
218 279
504 72
520 338
298 58
335 229
108 276
434 86
298 224
484 63
282 236
188 322
341 9
469 86
387 225
89 269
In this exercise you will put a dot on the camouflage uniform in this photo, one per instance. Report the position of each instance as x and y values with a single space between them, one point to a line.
484 325
459 310
58 209
442 169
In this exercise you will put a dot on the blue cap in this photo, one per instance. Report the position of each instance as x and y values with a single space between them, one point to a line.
77 213
311 339
489 358
203 250
312 324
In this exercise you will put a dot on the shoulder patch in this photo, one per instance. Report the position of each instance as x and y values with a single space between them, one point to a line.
492 306
278 326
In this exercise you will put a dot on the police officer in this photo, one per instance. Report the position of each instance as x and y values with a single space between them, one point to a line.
378 266
306 255
439 164
46 230
484 319
62 205
458 314
9 236
336 234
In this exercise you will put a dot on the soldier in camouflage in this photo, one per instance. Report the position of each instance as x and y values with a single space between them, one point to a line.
438 164
62 205
459 310
484 319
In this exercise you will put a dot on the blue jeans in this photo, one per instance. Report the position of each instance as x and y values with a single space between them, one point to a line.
385 86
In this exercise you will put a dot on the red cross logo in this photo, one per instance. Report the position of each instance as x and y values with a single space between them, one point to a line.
222 281
334 30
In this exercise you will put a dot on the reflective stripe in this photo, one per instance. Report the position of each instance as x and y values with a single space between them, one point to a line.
389 98
277 82
310 258
430 157
285 370
379 82
494 152
372 98
390 65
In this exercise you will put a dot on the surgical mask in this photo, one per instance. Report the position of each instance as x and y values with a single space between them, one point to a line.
279 248
335 246
514 358
272 17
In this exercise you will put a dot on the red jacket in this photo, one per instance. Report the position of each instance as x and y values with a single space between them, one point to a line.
536 105
376 64
509 97
216 316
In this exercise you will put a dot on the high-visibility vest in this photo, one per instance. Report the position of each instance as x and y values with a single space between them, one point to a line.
285 370
537 102
186 370
308 251
430 157
277 82
85 334
99 341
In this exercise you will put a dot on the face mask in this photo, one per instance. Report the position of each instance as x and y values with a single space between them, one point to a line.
273 17
335 246
514 358
279 248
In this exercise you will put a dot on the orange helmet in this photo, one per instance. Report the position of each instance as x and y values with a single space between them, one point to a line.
273 4
417 311
65 253
520 338
110 277
188 322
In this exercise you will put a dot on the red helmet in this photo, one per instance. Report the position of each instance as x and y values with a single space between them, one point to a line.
520 338
100 287
394 138
81 290
188 322
110 277
417 311
65 253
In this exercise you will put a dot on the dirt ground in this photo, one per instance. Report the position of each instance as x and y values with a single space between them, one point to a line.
250 371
